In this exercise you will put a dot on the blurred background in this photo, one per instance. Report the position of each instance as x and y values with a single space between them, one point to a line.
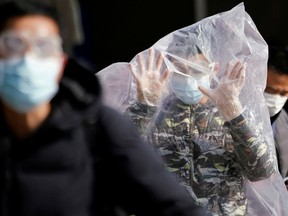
100 32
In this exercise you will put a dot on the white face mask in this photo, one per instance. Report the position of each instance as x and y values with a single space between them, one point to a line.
274 102
29 81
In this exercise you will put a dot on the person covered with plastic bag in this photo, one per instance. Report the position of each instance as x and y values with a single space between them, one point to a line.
197 96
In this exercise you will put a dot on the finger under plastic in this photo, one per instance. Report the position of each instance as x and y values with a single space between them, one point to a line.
237 71
159 62
242 77
205 91
141 62
134 73
165 76
228 70
151 59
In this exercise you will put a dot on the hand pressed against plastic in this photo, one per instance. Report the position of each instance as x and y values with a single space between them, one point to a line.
226 95
151 84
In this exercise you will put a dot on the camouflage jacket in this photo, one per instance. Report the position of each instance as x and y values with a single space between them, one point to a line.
210 157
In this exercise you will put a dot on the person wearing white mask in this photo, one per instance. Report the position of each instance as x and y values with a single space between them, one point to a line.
276 91
276 95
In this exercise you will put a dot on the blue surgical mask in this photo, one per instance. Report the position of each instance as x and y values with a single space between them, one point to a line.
28 81
186 88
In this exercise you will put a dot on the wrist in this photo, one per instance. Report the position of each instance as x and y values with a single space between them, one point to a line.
231 110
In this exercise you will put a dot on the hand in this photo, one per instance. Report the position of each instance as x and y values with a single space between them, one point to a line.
151 85
226 95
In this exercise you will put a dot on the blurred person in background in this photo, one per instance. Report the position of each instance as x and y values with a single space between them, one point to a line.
62 152
276 95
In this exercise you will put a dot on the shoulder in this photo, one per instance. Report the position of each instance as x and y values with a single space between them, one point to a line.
114 121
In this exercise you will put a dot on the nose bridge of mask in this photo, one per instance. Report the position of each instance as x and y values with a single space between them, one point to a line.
187 79
28 71
183 82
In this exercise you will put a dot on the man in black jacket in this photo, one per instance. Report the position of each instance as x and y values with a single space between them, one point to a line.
63 152
276 92
276 95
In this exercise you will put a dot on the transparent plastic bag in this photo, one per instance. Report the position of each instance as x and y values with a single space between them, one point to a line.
218 141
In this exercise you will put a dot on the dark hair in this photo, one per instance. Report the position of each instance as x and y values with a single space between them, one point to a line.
278 59
18 8
184 44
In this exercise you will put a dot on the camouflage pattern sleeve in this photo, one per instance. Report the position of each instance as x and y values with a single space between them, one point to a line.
255 156
140 114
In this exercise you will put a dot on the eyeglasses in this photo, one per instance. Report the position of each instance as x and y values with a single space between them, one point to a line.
17 43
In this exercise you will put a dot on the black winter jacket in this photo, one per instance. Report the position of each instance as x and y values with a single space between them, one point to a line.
85 159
